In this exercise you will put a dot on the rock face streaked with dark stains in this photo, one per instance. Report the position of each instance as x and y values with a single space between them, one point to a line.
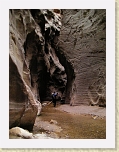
83 41
55 50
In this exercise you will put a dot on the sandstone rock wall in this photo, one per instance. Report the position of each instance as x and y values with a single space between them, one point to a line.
35 70
83 41
23 103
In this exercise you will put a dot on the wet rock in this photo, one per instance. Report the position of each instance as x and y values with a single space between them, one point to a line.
25 134
41 136
17 131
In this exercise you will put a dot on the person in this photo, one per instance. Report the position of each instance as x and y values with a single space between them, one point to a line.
54 94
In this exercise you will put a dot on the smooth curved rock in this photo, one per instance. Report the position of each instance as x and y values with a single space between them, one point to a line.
35 70
18 132
23 105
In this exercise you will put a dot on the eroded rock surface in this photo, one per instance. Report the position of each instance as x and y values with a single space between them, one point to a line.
23 103
20 133
35 70
83 42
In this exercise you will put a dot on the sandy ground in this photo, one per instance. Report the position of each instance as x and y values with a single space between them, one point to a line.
56 121
83 109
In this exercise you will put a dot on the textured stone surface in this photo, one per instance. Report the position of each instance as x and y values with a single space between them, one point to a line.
23 103
35 70
20 133
83 42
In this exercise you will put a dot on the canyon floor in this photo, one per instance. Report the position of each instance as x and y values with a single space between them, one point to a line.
72 122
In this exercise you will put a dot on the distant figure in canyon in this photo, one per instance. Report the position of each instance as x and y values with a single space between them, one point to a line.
54 94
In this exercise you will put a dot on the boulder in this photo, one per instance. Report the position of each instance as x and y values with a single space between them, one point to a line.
21 133
17 131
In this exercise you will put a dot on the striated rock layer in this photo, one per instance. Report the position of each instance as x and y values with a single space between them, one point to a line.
35 70
83 42
23 102
55 50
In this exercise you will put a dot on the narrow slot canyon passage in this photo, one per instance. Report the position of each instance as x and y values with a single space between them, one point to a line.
48 72
53 50
49 69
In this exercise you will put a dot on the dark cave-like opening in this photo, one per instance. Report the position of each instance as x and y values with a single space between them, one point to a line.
47 75
38 71
69 72
41 80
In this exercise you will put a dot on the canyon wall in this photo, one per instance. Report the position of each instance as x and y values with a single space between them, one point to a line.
83 42
23 105
34 68
55 50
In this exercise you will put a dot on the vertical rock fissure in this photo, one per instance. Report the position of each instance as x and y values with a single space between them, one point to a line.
35 59
49 68
46 71
70 75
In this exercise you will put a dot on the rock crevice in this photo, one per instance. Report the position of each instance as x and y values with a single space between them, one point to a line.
35 69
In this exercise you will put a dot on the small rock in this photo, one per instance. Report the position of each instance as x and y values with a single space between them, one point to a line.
95 117
53 121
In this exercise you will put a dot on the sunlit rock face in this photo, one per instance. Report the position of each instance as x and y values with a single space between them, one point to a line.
83 42
34 68
55 50
23 102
